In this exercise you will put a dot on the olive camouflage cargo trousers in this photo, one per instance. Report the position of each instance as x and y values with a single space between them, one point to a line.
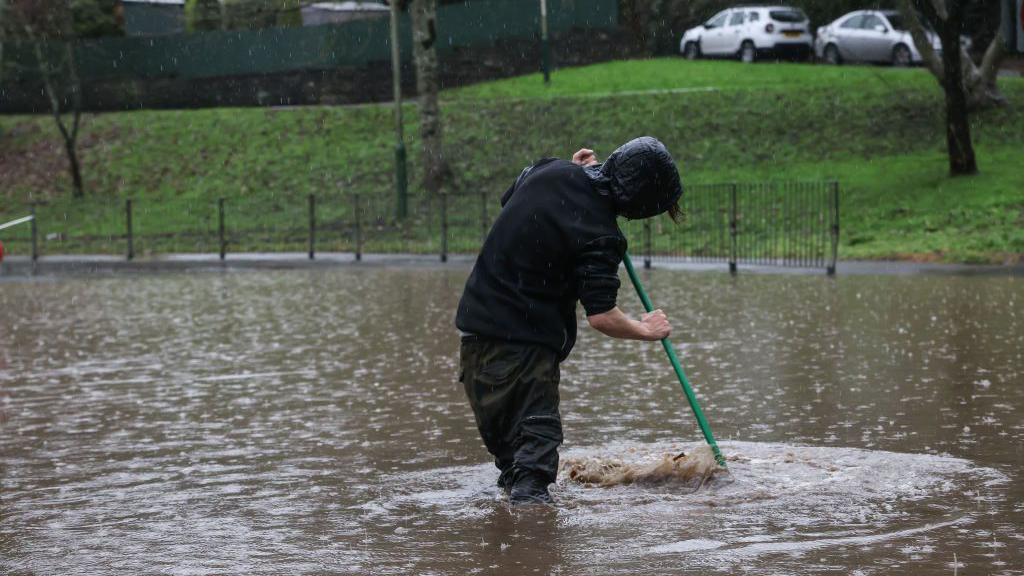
513 389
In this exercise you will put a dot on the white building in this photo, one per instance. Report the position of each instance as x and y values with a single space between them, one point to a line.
337 12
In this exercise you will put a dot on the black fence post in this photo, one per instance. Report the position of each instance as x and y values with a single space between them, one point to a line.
128 227
647 243
312 225
835 229
483 218
358 226
220 228
444 227
35 236
733 230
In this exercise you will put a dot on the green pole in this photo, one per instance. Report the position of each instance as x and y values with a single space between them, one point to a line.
545 43
687 389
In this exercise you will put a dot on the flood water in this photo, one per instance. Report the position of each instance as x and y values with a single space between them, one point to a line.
310 422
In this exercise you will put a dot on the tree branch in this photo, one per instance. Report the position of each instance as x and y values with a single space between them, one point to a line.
968 69
921 41
51 94
929 10
955 11
992 59
76 90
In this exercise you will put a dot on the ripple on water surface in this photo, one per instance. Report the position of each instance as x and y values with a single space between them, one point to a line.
798 501
308 422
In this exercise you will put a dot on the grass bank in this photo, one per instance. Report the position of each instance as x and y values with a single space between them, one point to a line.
878 131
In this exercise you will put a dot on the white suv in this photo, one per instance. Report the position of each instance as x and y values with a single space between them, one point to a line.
751 32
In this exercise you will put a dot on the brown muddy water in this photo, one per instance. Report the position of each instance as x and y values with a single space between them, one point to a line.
309 422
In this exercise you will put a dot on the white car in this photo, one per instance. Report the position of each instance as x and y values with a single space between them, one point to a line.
870 36
749 33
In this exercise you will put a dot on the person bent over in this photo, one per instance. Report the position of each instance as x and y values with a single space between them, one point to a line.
556 241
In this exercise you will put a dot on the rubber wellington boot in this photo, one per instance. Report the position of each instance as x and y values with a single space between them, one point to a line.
505 481
530 489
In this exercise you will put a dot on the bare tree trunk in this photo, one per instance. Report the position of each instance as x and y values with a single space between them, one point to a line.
955 74
70 135
71 148
921 41
958 125
436 171
982 85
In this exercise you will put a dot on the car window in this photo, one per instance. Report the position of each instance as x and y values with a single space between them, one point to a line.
896 21
852 22
717 21
871 21
787 15
736 19
753 17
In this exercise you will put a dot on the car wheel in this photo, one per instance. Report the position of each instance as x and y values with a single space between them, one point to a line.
832 55
747 52
901 56
691 51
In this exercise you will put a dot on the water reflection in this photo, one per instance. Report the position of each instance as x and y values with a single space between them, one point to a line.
309 421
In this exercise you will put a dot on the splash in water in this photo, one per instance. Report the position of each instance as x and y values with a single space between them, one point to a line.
690 470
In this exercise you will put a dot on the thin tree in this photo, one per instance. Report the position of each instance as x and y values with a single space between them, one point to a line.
967 85
46 26
436 170
3 36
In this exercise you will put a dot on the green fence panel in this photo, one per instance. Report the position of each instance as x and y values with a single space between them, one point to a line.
355 44
488 21
85 226
174 226
235 53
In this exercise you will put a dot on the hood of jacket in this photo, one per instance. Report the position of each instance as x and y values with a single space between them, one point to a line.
640 177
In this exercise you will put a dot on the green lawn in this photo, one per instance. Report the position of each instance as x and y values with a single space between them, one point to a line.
675 74
878 131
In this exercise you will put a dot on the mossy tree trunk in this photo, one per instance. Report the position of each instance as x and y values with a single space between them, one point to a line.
436 170
967 85
958 125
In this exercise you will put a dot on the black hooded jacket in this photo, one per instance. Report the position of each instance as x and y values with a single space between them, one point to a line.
556 241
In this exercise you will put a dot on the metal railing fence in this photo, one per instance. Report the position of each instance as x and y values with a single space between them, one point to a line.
783 224
792 224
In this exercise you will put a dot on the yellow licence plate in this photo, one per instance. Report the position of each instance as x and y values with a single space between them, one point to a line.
791 33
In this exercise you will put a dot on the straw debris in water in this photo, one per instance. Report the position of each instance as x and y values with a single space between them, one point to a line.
690 471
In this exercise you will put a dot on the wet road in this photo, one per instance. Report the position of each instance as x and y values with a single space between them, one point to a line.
309 422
